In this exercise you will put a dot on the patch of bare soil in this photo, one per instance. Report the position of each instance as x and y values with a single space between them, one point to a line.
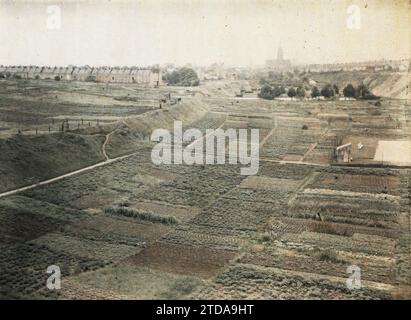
193 261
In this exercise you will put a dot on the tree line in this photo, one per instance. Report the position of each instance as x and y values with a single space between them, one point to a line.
328 91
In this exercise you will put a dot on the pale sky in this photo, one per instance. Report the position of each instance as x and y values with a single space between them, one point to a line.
236 32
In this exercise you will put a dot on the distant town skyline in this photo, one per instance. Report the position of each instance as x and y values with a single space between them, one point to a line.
236 33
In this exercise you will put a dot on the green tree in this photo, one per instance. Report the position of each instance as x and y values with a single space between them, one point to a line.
185 77
349 91
291 92
266 92
363 91
300 92
315 92
327 91
278 91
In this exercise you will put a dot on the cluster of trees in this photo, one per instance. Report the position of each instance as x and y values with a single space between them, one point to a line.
185 77
328 91
270 92
361 92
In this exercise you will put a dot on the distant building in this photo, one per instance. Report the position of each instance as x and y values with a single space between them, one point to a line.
369 66
279 64
150 76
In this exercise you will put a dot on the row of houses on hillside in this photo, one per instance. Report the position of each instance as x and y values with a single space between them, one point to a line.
150 76
378 65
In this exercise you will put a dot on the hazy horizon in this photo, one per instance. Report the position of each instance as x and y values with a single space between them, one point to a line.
236 33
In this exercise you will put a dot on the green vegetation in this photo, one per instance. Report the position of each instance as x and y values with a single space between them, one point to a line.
361 92
145 216
300 92
265 237
328 255
315 92
185 77
291 92
327 91
269 93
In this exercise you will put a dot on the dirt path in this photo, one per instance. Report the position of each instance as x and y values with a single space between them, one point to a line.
103 148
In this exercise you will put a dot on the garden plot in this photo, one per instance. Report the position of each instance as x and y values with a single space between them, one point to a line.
291 138
246 281
211 237
178 259
269 184
258 197
237 215
74 290
24 267
138 282
326 262
280 226
85 248
211 120
244 210
366 183
284 171
116 230
366 153
23 218
204 185
357 211
99 187
358 243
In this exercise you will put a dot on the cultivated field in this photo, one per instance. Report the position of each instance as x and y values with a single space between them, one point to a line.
130 229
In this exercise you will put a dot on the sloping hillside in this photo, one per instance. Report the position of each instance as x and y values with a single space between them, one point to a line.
137 129
385 84
29 159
